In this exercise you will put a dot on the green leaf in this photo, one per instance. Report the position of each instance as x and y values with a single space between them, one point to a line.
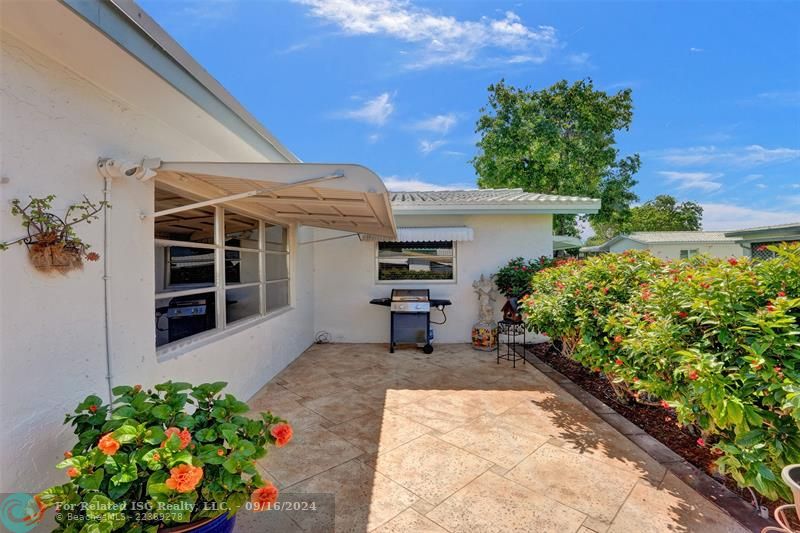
121 389
206 435
127 473
126 411
154 435
735 411
93 481
126 434
161 412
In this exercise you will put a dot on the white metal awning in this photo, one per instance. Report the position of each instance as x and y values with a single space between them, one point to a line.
566 242
332 196
457 233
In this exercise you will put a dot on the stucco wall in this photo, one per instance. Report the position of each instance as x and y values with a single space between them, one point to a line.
673 251
52 349
344 275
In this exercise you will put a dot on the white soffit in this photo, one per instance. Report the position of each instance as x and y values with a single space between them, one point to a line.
333 196
459 233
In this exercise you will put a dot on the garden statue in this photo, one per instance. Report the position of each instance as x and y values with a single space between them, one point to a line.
484 332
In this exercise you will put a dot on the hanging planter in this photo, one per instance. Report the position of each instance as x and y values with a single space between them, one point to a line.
52 242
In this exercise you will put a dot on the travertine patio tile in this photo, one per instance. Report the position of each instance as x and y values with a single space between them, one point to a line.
441 412
431 468
365 499
674 506
297 415
451 441
410 521
590 486
318 386
312 450
342 406
493 504
381 432
496 440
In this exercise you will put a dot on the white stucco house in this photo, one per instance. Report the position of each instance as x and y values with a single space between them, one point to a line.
755 240
672 244
208 207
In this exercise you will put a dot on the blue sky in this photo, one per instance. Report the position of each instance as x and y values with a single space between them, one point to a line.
398 85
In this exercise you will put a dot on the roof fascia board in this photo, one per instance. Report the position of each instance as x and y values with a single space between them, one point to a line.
764 235
130 28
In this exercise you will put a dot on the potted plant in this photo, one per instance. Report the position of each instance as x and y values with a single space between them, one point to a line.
52 242
514 280
175 458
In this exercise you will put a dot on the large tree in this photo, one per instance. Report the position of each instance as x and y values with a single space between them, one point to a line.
558 140
662 213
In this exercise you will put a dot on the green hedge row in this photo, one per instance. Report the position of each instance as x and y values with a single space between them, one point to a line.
717 340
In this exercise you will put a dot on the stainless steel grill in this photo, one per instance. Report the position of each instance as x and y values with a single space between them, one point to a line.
410 320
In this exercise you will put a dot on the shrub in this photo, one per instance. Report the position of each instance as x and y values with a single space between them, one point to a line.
717 340
145 462
513 280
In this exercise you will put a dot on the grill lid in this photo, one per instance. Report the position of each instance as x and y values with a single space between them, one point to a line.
411 295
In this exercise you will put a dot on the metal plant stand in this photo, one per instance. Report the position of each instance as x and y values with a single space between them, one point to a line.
508 333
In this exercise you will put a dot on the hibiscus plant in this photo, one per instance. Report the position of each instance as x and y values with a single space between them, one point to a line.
514 279
153 458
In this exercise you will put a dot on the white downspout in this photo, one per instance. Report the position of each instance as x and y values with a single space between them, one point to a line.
107 281
110 169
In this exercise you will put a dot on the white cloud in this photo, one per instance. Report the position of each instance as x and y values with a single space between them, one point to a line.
375 111
752 155
704 181
442 39
726 216
696 50
789 98
579 60
372 138
395 183
427 147
437 124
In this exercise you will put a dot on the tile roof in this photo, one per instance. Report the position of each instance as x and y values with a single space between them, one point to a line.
654 237
488 202
482 197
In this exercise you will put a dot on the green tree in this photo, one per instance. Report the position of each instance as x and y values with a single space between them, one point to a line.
662 213
558 140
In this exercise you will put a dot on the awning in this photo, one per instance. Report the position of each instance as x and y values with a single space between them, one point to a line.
457 233
332 196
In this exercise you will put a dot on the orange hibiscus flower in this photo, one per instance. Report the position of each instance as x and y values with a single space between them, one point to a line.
184 478
73 472
282 434
184 435
263 497
108 444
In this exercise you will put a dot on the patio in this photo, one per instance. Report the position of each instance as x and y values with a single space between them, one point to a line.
454 442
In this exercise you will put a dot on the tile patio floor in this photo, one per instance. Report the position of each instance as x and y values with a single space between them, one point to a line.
454 442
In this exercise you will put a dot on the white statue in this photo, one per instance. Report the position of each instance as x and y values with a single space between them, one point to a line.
485 289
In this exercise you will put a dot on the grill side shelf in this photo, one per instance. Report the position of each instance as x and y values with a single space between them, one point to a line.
386 302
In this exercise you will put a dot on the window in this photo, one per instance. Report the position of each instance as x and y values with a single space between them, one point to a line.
211 254
686 254
413 261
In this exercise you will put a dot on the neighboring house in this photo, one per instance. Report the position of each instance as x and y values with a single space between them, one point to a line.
754 241
233 287
671 244
445 241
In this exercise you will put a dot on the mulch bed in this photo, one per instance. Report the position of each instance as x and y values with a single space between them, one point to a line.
659 422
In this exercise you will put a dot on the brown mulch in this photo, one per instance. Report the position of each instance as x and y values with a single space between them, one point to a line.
657 421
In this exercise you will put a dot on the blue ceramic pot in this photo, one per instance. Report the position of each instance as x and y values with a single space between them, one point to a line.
220 524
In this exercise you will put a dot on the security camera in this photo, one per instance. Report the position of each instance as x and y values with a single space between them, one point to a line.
142 171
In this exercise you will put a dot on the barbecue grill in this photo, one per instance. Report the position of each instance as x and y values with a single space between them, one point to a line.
410 318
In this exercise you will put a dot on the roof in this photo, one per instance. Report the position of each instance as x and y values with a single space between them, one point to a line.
666 237
133 30
489 201
779 229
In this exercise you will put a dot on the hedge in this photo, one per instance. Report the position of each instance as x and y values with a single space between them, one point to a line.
717 340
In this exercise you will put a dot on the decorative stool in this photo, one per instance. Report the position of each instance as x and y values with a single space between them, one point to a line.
509 332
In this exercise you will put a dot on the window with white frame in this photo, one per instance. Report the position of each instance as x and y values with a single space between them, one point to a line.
211 254
686 254
416 261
